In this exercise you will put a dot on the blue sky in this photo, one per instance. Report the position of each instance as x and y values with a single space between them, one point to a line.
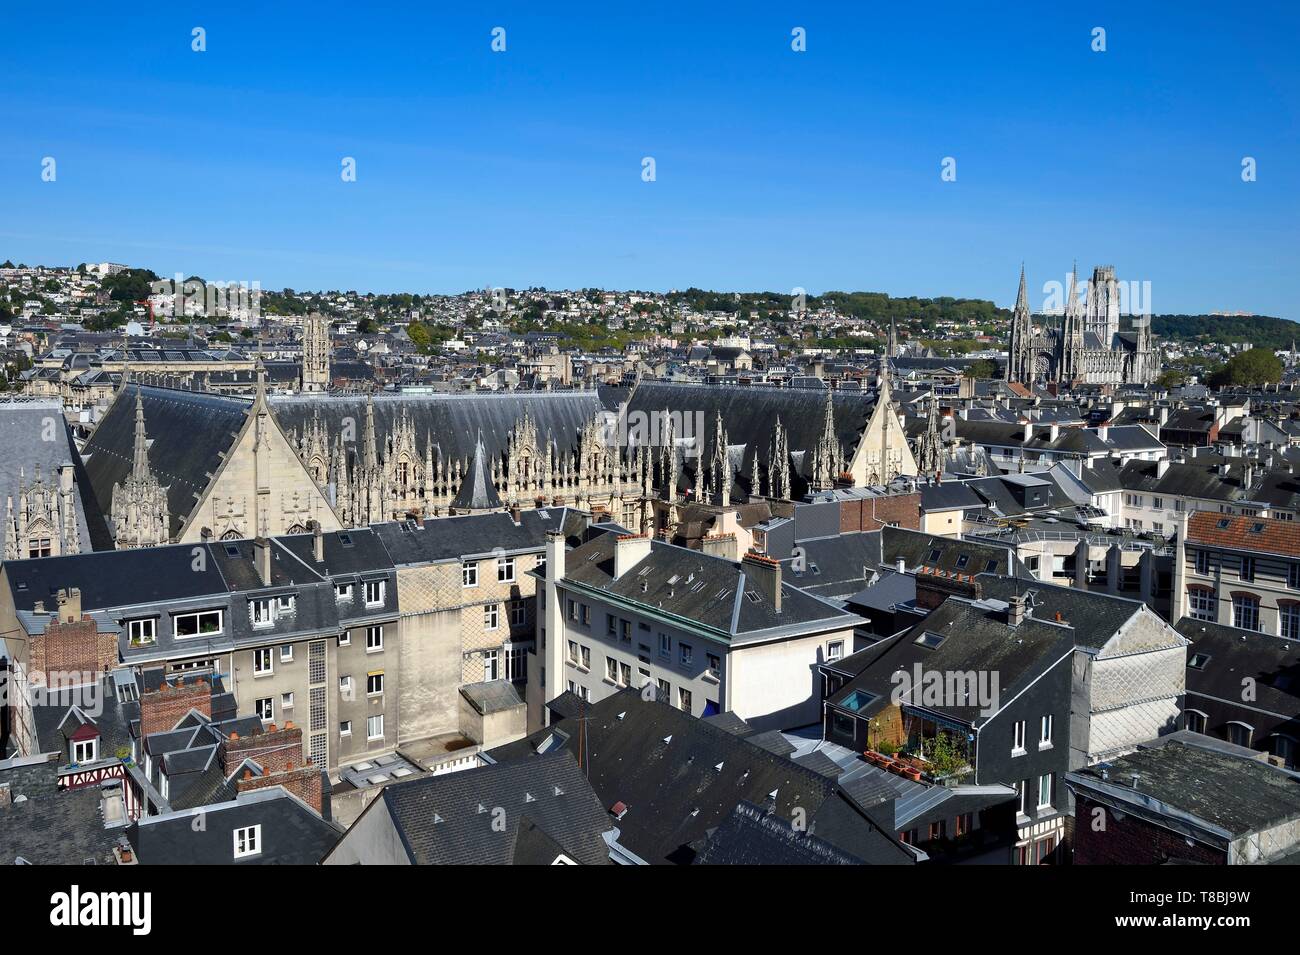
775 169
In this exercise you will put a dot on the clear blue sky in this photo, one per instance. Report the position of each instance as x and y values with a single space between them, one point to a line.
775 169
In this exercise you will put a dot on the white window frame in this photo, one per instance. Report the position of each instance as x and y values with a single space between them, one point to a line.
379 590
345 728
198 615
286 653
373 646
491 616
136 631
261 613
93 744
370 736
469 573
263 654
286 701
1045 730
267 713
1019 732
1045 780
505 570
370 681
248 841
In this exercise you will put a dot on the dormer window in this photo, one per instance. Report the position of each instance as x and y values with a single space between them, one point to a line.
85 751
260 613
142 632
374 593
342 591
248 841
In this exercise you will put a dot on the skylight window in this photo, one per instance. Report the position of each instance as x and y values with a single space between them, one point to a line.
1198 661
930 640
1223 523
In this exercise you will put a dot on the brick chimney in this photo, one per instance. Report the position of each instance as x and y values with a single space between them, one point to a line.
279 753
163 708
1016 610
764 573
273 749
72 651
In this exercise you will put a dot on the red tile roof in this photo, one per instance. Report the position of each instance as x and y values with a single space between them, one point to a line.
1239 533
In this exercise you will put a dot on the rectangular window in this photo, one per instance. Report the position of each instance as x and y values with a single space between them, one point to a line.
345 638
1045 731
834 650
573 652
342 591
625 674
345 687
491 665
262 663
1018 740
586 658
684 699
1045 786
206 623
518 613
1289 619
84 751
259 612
143 632
1293 576
611 625
625 631
1245 611
611 669
265 709
286 701
286 653
374 684
1200 603
248 841
284 605
374 593
491 616
685 654
505 570
715 664
469 573
665 645
375 727
374 639
345 728
1247 568
586 616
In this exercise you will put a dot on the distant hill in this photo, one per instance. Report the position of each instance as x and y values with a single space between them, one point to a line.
1263 330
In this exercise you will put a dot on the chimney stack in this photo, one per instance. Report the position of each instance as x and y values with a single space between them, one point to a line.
765 573
629 550
317 542
1016 610
262 557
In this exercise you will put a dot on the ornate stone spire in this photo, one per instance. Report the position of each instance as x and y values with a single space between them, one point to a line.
139 506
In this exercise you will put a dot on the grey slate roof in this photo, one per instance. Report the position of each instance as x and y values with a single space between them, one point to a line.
24 425
189 432
752 836
448 819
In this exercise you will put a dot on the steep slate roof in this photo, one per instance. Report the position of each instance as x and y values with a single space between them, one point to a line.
452 538
1094 616
709 591
752 836
975 638
448 819
292 832
1233 655
680 777
51 826
189 433
453 420
476 489
23 425
749 413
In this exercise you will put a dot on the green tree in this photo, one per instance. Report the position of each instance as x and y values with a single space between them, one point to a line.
1257 366
981 368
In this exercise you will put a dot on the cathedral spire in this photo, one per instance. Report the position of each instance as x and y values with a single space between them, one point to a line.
140 458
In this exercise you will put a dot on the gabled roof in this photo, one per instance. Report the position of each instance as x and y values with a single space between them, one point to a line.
190 432
447 819
1227 656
